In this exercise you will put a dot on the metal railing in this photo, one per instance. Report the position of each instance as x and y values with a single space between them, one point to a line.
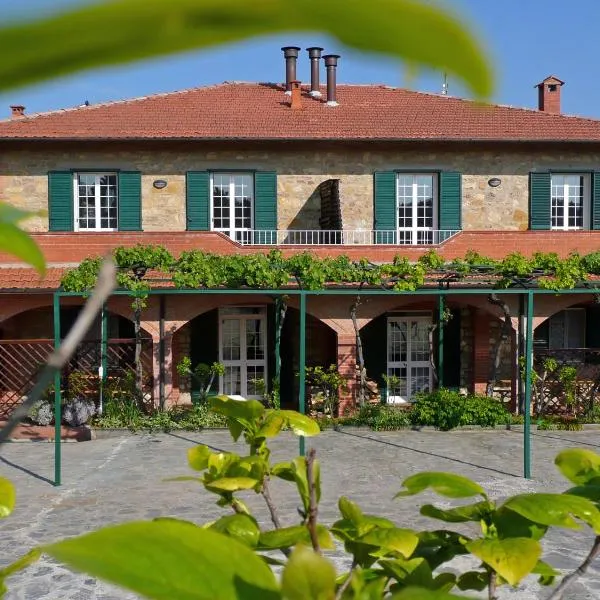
336 237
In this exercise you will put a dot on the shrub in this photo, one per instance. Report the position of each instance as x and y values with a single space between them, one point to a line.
78 411
41 413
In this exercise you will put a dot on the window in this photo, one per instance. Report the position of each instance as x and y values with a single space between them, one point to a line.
566 329
570 201
96 198
232 200
416 196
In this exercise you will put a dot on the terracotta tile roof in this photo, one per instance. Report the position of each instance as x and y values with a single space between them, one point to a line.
15 279
261 111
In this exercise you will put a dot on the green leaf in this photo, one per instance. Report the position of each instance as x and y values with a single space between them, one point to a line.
111 33
15 241
350 510
578 465
299 470
591 492
556 509
235 429
308 576
460 514
391 539
449 485
232 484
300 424
415 571
21 563
512 558
272 425
286 537
244 411
419 593
547 573
168 559
198 457
239 526
284 471
511 524
8 497
473 580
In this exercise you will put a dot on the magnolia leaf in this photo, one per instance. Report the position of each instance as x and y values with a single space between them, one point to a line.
284 471
449 485
473 580
240 526
272 425
232 484
547 573
18 243
591 492
510 524
21 563
286 537
415 571
198 457
392 539
444 581
169 559
235 429
300 424
556 509
245 411
8 497
350 510
420 593
308 576
578 465
460 514
116 32
512 559
299 470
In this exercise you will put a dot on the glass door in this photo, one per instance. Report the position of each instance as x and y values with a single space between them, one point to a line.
416 208
242 350
233 204
408 361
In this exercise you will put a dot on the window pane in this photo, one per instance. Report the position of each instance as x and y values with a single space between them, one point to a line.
97 200
416 205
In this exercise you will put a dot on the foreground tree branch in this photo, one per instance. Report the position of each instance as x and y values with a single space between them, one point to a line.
362 372
59 358
313 507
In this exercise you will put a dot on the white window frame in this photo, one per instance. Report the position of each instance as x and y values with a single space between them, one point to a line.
587 193
232 230
409 364
415 230
97 174
244 362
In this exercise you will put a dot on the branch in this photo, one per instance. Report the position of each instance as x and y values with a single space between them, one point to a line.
557 594
266 494
347 581
492 588
313 508
504 334
59 358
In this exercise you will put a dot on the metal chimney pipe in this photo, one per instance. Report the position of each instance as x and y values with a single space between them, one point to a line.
290 54
314 53
331 65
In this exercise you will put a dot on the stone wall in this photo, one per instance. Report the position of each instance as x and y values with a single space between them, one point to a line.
23 179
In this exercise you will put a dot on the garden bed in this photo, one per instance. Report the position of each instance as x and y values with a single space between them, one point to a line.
46 433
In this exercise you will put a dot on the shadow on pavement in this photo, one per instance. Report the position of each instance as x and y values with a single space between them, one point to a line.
25 470
562 439
195 442
456 460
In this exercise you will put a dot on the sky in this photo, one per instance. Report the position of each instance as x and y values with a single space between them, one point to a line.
527 40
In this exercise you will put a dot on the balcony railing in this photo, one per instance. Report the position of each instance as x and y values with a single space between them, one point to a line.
357 237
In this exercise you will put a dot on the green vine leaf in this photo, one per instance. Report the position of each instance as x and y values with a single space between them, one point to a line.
17 242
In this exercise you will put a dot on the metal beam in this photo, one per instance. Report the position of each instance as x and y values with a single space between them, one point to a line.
57 396
528 369
302 368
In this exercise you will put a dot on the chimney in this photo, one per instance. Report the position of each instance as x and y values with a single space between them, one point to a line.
296 101
17 111
314 53
549 94
290 54
331 65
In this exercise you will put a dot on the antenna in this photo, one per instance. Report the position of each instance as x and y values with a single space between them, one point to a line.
445 85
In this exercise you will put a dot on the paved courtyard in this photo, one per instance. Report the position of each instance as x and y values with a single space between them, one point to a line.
123 478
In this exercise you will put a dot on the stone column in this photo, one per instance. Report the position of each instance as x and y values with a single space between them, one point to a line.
346 362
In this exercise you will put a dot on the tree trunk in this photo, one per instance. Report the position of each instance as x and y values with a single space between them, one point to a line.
505 331
431 334
139 371
362 372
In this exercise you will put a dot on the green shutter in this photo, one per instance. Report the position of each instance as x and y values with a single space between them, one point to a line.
596 200
265 200
197 200
385 207
450 210
60 200
539 201
130 201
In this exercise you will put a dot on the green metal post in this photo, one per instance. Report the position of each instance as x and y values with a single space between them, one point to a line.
57 396
302 367
103 354
528 369
440 350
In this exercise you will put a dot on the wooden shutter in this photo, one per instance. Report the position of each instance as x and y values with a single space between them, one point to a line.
596 200
450 201
265 200
60 201
130 201
539 201
198 201
385 211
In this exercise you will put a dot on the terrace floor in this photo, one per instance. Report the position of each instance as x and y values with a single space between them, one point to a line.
123 478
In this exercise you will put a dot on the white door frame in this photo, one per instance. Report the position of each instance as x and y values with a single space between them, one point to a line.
243 363
231 230
409 364
414 229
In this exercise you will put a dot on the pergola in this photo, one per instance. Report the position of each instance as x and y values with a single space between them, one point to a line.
444 287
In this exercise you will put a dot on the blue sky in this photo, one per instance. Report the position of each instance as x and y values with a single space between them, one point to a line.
527 40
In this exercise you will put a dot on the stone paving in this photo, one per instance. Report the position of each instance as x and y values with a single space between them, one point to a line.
123 478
